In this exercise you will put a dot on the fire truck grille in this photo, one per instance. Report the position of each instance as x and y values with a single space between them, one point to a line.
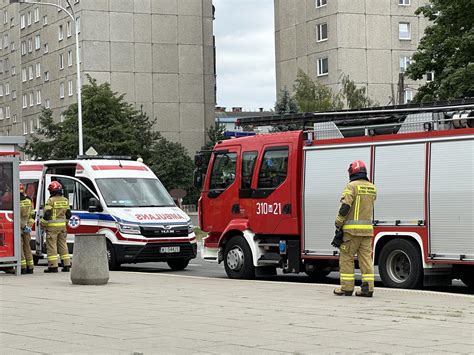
158 231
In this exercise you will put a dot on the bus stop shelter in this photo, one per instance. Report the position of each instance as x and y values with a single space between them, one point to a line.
10 244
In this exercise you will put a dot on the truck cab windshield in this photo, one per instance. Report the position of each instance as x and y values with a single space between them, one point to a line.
134 192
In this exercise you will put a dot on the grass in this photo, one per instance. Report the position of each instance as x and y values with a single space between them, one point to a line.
199 233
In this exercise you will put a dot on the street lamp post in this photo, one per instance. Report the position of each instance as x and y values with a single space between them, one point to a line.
72 15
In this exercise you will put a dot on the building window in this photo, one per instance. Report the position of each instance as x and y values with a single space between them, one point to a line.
24 75
405 62
321 3
46 76
404 31
45 48
47 103
1 114
23 48
1 90
7 88
1 66
61 61
13 94
5 17
323 66
13 70
37 15
322 32
70 88
68 29
69 58
38 123
60 33
7 112
61 90
7 65
61 117
38 70
38 97
32 99
30 72
22 21
14 118
32 126
37 42
25 128
28 18
408 97
25 101
404 2
45 20
12 46
6 41
30 45
430 76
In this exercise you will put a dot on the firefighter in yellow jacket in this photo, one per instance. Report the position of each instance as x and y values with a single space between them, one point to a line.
26 222
354 231
56 215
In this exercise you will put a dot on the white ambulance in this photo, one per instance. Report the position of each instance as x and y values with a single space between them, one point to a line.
120 198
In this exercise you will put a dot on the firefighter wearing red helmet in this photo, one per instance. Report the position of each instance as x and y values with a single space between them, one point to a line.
26 222
354 231
56 215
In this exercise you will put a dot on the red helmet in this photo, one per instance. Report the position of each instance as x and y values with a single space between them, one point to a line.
54 187
357 166
22 188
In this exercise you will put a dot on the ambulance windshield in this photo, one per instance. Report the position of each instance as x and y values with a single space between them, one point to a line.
134 192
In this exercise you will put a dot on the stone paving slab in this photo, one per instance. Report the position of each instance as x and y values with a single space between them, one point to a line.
142 313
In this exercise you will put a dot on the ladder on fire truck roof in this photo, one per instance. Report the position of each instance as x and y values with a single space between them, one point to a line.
375 120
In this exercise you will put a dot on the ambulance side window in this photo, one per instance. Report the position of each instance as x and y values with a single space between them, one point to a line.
248 166
274 168
77 194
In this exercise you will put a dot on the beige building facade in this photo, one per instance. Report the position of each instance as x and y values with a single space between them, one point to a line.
372 41
159 53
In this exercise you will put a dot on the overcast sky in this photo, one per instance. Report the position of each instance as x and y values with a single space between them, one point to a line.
245 53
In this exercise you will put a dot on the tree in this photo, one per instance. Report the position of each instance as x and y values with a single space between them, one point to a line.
110 124
215 133
286 103
353 96
314 97
446 50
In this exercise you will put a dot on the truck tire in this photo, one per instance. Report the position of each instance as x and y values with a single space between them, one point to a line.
467 276
238 259
317 275
111 257
178 264
400 264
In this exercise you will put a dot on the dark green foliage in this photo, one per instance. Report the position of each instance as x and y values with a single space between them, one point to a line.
215 134
286 103
353 96
447 49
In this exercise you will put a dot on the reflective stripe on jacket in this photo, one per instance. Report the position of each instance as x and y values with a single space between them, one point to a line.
58 205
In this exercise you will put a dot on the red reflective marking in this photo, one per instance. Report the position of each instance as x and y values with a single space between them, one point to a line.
36 167
116 167
9 153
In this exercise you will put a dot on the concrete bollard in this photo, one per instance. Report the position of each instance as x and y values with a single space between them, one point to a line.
90 264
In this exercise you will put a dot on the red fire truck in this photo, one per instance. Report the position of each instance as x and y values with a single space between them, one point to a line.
270 201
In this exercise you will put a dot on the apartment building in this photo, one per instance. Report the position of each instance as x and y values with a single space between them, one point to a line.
372 41
159 53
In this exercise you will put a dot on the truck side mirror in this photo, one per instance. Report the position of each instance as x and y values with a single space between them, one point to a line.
198 159
197 178
94 205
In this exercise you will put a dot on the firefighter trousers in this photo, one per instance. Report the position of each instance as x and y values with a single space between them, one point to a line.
362 246
56 242
26 255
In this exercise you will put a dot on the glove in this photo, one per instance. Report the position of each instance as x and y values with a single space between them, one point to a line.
27 229
337 240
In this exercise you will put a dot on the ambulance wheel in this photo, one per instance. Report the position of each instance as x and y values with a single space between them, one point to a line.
238 259
400 264
111 257
178 264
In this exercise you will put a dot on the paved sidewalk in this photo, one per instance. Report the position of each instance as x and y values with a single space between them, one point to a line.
167 314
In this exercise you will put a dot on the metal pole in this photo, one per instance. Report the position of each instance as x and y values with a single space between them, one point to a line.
78 65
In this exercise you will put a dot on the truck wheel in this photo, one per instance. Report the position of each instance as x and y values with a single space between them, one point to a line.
238 259
317 275
113 264
400 264
178 264
467 276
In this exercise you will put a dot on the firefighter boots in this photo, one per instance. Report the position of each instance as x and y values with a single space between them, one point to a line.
29 270
66 268
51 270
339 292
364 290
23 271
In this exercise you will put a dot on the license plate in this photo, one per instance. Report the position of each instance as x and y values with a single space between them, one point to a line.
169 249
